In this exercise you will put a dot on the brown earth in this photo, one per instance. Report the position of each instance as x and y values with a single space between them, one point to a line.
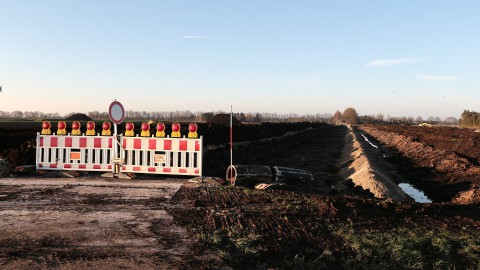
53 223
443 161
94 224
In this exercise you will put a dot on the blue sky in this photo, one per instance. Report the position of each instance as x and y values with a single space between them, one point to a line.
400 58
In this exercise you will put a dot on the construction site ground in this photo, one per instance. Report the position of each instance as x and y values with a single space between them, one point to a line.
341 221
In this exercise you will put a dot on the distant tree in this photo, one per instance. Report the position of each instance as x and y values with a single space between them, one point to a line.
258 118
207 116
350 116
419 120
451 120
337 117
379 117
17 114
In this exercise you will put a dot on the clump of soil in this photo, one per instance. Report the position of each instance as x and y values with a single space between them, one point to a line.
23 154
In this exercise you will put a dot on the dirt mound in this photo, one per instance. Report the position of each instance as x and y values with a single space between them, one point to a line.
223 119
78 117
20 155
357 166
448 173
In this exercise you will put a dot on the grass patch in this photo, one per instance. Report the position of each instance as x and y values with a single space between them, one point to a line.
411 248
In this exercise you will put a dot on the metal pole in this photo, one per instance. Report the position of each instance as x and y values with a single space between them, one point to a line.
115 154
231 145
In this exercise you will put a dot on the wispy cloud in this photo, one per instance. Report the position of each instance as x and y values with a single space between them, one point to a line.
132 8
393 61
194 37
438 78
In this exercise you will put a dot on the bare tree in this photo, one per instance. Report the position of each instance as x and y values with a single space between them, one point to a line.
350 116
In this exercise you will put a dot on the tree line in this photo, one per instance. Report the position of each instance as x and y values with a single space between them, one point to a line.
470 119
349 116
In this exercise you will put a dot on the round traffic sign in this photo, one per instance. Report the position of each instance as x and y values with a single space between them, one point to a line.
116 112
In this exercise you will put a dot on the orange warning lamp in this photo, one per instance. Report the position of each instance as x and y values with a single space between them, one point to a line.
61 128
76 128
145 130
129 130
176 130
90 128
160 130
46 128
106 129
192 131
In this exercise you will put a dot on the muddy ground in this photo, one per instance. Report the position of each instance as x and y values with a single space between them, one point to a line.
155 222
95 224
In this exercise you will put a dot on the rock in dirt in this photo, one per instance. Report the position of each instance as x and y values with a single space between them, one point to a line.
5 168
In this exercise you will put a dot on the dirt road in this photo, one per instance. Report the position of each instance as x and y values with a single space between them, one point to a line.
95 224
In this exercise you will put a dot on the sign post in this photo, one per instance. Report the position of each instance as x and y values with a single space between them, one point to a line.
116 112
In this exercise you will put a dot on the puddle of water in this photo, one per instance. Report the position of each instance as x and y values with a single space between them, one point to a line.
416 194
366 139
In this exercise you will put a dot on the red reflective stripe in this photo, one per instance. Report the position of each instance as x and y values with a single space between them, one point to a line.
40 165
197 146
137 144
97 167
83 142
182 170
82 166
197 171
53 165
53 142
183 146
97 142
167 145
67 166
136 169
109 167
41 141
124 168
152 144
109 142
167 170
68 142
124 143
152 169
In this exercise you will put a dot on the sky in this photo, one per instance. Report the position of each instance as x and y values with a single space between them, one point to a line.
399 58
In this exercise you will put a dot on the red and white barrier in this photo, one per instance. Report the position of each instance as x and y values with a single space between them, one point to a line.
79 153
178 156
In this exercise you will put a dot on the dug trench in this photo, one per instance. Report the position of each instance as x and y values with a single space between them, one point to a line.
442 161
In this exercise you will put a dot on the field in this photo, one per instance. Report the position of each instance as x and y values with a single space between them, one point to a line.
353 216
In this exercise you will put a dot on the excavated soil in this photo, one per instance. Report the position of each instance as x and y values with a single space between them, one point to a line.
443 161
157 223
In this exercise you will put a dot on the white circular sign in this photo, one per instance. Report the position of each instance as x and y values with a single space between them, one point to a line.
116 112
